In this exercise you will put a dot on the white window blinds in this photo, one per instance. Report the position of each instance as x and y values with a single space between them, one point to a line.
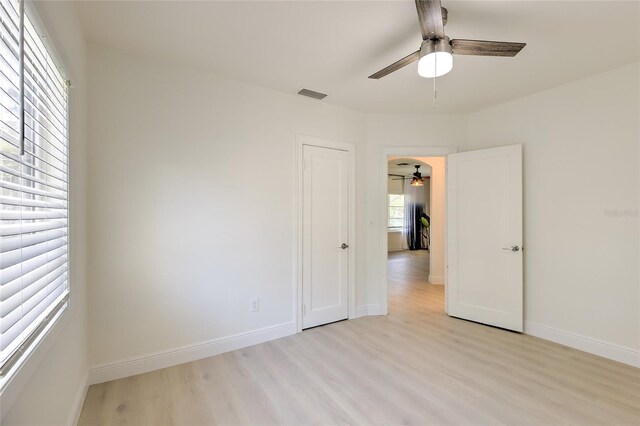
34 180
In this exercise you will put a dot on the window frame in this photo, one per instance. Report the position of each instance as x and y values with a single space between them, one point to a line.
389 218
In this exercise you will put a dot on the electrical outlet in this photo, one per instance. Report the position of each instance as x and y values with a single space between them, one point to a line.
254 305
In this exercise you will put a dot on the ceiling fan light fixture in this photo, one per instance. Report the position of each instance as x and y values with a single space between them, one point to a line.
436 58
416 182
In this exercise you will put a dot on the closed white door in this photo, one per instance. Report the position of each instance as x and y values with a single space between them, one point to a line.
325 246
484 223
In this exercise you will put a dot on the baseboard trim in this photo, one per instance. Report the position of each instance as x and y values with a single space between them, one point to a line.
78 401
372 309
164 359
436 279
587 344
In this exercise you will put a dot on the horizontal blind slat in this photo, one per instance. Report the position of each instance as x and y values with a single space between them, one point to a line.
38 311
55 277
34 191
10 8
33 92
59 184
24 268
9 289
10 95
10 63
45 122
21 303
29 202
35 50
42 61
8 133
38 83
37 314
12 229
30 157
8 244
14 257
9 337
31 214
12 317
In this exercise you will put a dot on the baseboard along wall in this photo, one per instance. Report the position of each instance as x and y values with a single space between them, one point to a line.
436 279
164 359
372 309
587 344
78 402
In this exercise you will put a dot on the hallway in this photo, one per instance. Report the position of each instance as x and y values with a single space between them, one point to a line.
409 289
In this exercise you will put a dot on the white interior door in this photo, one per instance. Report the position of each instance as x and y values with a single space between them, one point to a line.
325 282
484 223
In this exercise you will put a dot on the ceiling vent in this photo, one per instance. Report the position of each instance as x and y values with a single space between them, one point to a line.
312 94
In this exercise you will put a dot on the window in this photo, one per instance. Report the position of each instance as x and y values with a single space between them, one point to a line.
396 211
34 184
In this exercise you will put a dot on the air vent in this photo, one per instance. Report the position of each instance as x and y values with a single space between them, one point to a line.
311 94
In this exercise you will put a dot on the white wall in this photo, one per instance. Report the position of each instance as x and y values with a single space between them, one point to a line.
192 203
396 241
437 214
384 131
395 185
50 386
581 189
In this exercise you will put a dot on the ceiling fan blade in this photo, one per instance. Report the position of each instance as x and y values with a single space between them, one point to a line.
485 48
430 17
397 65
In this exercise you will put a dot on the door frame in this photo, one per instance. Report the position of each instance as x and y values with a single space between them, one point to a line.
350 148
401 151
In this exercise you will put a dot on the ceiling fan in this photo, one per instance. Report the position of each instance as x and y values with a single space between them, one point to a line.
416 178
435 56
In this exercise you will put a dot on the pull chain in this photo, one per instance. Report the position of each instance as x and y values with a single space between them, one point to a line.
435 94
435 89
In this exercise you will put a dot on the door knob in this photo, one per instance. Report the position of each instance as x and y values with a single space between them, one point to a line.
512 248
344 246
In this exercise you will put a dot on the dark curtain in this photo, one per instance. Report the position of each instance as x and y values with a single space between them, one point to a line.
413 226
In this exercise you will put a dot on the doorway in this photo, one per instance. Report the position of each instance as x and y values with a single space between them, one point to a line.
415 233
482 239
386 154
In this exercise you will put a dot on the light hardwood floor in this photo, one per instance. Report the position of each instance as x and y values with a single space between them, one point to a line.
415 366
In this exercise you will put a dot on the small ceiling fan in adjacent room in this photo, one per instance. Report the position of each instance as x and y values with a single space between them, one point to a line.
416 178
435 56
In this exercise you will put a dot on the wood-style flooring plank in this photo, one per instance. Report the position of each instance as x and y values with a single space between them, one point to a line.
414 366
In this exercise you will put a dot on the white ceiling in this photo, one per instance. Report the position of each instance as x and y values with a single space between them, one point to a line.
409 169
332 46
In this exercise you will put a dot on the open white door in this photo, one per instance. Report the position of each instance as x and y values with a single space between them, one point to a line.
484 224
325 278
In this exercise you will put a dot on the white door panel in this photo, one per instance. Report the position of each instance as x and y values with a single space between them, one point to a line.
484 193
325 219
